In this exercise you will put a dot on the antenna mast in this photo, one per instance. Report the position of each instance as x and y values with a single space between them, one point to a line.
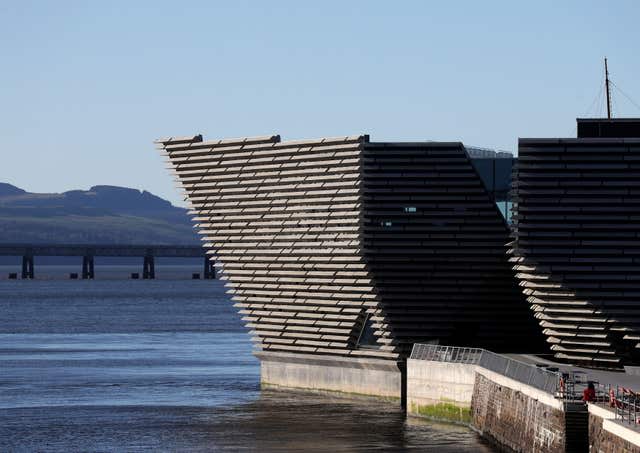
607 85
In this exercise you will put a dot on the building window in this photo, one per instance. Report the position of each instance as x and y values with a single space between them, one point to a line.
410 209
386 223
367 337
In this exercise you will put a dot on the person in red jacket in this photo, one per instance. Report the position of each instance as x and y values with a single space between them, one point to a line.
589 394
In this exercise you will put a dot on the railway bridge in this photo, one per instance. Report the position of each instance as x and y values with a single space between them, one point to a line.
148 253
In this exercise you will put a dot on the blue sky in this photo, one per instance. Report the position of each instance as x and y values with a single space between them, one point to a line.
86 87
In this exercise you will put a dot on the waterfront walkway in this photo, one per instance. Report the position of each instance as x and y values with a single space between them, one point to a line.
604 377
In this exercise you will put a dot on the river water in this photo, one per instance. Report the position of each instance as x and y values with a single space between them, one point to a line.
165 365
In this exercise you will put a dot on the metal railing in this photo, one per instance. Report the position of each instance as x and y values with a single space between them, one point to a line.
625 403
568 386
436 353
540 378
573 385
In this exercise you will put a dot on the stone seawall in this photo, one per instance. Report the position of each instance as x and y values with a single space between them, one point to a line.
513 415
608 436
516 418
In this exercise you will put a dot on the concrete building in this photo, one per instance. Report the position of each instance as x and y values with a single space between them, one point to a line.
340 253
577 240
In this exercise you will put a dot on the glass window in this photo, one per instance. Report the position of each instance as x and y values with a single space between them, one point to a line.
367 337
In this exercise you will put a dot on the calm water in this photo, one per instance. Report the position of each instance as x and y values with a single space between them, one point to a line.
165 365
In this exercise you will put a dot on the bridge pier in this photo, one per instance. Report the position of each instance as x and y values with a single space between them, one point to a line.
89 251
209 269
27 266
148 268
87 267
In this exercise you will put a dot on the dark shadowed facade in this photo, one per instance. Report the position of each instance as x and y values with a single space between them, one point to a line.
341 253
577 240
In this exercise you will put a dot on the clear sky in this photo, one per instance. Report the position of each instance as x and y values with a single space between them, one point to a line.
85 87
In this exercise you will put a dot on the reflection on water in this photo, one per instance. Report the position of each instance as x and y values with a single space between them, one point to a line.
168 369
166 366
274 421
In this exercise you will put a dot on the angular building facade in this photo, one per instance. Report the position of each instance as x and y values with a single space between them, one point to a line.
340 253
576 247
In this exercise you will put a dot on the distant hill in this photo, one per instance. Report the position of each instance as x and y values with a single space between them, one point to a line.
8 189
102 214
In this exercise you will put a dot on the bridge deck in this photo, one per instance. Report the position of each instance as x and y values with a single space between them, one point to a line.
184 251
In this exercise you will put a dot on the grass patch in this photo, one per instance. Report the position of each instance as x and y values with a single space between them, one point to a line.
443 410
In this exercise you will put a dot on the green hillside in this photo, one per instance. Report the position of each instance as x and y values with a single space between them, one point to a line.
102 214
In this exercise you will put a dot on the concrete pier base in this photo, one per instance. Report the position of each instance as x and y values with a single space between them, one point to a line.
355 376
440 390
27 266
148 267
87 267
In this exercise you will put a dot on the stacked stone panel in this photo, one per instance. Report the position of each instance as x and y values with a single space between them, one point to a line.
320 238
577 245
436 244
285 220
